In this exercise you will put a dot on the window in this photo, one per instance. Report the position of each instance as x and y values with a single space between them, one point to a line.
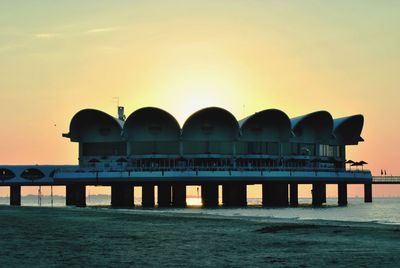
272 148
329 150
290 148
307 149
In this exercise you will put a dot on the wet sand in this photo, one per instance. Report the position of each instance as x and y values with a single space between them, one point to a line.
58 237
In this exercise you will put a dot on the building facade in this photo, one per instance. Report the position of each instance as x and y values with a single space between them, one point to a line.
150 149
213 139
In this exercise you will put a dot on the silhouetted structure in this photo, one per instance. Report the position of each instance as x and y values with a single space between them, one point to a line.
212 148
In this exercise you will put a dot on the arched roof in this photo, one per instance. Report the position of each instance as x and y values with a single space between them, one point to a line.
211 124
316 127
90 125
348 129
151 124
267 125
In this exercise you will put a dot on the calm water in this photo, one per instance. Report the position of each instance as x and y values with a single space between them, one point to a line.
382 210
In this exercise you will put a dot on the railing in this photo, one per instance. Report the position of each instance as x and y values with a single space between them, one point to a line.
386 179
217 168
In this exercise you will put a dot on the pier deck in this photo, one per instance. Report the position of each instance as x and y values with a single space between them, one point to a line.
280 185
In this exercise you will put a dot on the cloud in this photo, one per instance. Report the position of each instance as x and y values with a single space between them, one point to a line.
6 48
45 35
102 30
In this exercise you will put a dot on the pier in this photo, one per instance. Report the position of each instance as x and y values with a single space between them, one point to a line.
212 149
279 186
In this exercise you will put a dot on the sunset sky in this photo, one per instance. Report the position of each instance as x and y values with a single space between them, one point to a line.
57 57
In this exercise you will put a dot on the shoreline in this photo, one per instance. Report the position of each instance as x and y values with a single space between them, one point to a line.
41 237
383 211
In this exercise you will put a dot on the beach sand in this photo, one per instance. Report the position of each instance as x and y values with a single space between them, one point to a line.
125 238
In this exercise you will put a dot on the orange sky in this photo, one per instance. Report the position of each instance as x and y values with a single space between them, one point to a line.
57 57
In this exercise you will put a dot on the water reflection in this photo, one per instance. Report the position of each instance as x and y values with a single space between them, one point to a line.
193 201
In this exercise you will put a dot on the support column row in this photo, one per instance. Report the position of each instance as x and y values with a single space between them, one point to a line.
172 194
122 195
367 192
342 194
148 195
276 194
209 194
294 194
234 194
15 195
179 195
75 195
318 193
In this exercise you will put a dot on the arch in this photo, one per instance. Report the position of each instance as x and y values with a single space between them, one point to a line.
6 174
32 174
347 130
90 125
211 124
151 131
268 125
210 131
151 124
316 127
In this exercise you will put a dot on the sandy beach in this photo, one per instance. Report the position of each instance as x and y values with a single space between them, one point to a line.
55 237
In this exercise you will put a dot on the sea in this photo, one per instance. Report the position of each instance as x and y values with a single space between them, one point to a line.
381 210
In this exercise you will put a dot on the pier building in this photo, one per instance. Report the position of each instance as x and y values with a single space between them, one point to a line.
150 149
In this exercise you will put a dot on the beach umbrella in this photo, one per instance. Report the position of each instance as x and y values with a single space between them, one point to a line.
362 163
121 160
93 162
356 164
349 162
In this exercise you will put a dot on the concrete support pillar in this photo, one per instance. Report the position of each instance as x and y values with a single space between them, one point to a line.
75 195
122 195
164 195
179 194
368 192
318 193
275 194
294 194
15 195
80 195
342 194
209 194
148 195
234 194
70 195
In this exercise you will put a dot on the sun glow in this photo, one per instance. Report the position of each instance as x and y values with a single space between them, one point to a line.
242 57
194 201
